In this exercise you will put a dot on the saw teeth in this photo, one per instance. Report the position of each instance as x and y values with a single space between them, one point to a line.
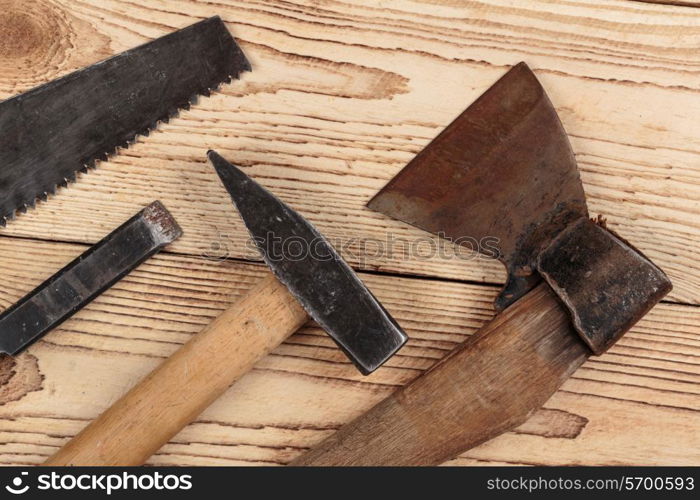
105 156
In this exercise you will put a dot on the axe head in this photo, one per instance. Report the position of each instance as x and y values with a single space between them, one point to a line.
502 178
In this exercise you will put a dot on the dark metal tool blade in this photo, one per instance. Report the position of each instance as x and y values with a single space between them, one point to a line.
55 130
86 277
325 285
502 170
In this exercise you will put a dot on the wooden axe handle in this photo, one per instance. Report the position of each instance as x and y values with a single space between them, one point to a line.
176 392
487 386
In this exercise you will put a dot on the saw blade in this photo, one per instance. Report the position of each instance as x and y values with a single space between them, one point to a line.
50 133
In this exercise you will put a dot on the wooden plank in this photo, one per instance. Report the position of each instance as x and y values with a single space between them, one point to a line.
344 94
642 396
681 3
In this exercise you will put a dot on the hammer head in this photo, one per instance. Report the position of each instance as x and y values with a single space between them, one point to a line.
503 173
324 284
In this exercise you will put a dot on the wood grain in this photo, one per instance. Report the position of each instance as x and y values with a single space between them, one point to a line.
342 95
489 385
642 395
184 385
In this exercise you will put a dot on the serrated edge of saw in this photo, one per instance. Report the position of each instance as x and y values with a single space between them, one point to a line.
107 155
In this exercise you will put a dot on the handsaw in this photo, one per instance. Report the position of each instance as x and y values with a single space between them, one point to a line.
503 170
63 127
310 281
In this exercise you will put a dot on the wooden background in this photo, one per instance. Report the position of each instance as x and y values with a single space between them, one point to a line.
342 95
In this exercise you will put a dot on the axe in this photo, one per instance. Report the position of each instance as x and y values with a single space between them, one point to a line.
309 279
503 175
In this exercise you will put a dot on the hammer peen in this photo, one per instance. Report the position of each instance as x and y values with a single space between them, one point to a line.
317 284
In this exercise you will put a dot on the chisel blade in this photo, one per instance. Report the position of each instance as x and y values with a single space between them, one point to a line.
74 286
50 133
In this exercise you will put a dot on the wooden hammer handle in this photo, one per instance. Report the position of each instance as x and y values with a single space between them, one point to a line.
489 385
176 392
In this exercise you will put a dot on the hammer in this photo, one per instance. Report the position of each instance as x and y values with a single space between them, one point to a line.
313 282
502 179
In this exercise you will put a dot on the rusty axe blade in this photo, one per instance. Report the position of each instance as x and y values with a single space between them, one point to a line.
503 169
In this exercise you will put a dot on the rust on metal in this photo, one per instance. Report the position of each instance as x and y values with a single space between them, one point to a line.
606 284
503 169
